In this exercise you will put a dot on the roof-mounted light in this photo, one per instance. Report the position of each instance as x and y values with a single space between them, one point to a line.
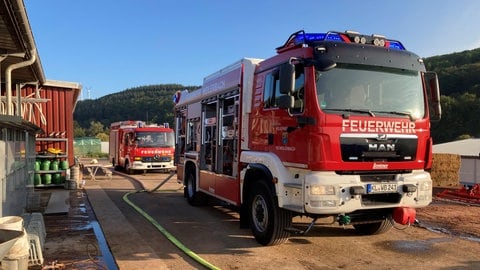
393 44
307 39
311 37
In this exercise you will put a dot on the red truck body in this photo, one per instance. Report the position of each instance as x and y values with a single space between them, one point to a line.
336 124
136 146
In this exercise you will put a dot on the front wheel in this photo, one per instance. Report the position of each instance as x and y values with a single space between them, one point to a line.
128 168
267 220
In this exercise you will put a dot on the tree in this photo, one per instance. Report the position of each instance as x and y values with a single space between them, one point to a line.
95 128
103 136
464 137
78 131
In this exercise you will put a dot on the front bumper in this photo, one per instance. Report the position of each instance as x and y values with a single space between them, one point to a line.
139 165
330 193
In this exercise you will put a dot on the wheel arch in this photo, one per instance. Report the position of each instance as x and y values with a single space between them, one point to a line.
190 165
256 172
265 164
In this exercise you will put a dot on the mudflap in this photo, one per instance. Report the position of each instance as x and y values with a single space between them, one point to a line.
244 222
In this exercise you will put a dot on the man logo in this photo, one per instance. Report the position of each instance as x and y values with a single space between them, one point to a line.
381 147
381 137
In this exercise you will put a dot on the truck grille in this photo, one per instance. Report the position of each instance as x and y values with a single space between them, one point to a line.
157 158
368 149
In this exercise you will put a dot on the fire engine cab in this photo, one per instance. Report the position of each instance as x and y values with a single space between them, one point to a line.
336 124
136 146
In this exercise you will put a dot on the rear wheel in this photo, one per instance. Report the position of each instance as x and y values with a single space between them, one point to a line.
267 220
193 196
374 228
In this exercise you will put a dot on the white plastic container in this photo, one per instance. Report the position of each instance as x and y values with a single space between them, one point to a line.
17 257
14 223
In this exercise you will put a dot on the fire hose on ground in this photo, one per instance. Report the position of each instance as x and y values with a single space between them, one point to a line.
159 227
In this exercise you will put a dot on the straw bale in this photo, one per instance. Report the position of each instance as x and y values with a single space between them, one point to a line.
445 170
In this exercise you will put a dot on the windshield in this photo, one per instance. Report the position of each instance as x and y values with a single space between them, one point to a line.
371 90
155 139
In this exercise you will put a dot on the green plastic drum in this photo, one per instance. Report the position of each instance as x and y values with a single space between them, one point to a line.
47 179
37 165
37 179
46 165
54 165
63 164
57 178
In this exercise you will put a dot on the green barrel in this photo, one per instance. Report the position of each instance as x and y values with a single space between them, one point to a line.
57 178
47 179
37 165
46 165
63 164
54 165
37 179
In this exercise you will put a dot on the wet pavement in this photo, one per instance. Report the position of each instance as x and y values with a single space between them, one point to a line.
74 239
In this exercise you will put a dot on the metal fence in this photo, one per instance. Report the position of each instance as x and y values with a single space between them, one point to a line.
86 146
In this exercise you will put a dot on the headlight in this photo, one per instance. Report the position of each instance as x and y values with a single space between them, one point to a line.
322 190
425 186
138 159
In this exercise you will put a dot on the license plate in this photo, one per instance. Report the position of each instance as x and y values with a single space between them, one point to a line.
381 188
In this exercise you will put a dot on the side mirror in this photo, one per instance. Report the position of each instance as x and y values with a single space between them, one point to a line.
285 102
433 94
287 78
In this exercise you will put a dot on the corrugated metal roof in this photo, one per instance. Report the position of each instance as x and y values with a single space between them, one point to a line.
468 147
16 42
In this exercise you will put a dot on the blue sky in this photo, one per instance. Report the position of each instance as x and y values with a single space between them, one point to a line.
111 45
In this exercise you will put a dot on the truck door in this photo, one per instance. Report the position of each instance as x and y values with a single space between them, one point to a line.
180 139
275 121
228 160
208 153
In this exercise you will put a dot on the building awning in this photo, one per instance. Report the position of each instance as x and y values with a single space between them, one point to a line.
17 42
17 122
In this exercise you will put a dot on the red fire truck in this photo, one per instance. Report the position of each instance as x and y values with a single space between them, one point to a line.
336 124
136 146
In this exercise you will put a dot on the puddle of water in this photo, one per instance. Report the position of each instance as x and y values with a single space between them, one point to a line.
102 244
410 246
416 246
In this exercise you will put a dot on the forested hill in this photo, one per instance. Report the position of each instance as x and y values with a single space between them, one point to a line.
459 77
152 103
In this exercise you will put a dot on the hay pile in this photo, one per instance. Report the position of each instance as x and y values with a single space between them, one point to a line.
445 170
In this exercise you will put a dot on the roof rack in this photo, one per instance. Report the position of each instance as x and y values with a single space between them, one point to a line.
300 38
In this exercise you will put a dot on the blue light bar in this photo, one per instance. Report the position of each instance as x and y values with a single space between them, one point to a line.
306 38
309 37
396 45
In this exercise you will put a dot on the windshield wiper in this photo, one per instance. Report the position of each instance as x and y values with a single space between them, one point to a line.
353 110
398 113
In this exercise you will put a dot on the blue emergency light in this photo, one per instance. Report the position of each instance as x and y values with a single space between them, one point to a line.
354 37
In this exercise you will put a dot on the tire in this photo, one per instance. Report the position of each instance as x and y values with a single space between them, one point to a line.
194 197
116 167
374 228
128 169
267 221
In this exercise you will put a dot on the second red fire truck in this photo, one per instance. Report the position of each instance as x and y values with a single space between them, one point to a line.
136 146
336 124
